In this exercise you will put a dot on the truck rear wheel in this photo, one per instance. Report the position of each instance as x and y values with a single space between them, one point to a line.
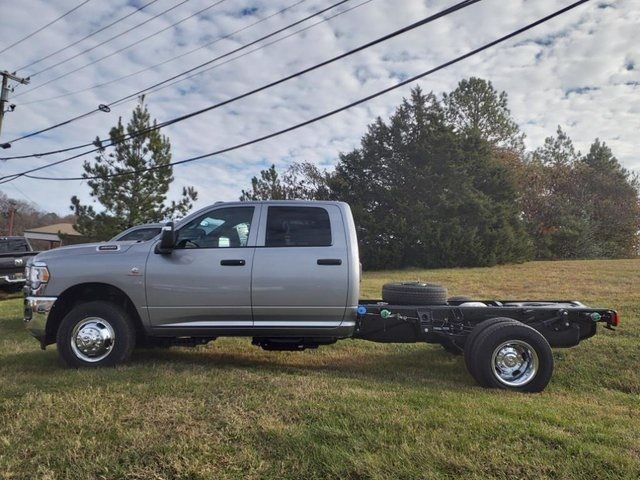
470 340
95 334
414 293
512 356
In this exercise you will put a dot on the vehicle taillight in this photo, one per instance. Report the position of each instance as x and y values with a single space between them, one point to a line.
615 319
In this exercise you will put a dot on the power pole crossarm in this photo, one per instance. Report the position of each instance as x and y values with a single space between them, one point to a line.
4 96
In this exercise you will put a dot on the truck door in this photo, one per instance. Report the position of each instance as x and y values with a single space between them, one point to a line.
300 268
205 283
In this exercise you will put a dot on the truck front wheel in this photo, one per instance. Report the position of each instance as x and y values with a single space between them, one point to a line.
512 356
95 334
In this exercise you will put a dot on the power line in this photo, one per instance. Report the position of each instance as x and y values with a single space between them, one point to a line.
156 65
84 145
328 114
106 107
43 27
133 44
77 147
236 50
261 47
95 32
424 21
11 177
87 50
28 198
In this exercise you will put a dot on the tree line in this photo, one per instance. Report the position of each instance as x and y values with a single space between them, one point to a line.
447 182
25 216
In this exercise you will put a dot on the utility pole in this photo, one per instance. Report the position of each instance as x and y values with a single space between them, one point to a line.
12 213
4 97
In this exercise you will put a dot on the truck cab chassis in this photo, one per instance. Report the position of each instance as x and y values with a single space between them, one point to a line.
287 274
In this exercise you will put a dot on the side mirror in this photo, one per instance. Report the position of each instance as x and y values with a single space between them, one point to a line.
168 238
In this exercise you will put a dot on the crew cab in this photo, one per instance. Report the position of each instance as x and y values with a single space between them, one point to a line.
287 274
15 252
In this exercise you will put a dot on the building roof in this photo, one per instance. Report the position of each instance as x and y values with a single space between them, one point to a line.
51 232
64 228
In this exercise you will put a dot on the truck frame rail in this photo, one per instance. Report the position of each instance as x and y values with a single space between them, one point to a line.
564 323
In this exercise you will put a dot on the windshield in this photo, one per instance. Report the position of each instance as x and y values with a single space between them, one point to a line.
18 245
139 235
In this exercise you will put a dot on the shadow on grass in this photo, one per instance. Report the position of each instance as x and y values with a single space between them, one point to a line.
410 367
10 293
384 365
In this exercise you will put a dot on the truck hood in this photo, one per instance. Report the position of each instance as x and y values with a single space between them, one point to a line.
103 248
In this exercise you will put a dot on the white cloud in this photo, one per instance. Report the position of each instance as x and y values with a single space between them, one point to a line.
581 71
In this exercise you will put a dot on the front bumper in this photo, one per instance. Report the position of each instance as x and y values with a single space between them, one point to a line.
12 279
36 314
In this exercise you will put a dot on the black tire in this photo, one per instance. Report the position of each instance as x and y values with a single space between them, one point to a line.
471 338
105 319
414 293
533 350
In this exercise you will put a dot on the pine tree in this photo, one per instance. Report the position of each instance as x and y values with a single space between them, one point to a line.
267 187
476 108
301 181
424 194
133 198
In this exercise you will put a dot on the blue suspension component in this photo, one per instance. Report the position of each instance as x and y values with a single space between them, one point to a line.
361 310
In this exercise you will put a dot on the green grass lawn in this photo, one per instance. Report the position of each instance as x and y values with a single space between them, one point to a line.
352 410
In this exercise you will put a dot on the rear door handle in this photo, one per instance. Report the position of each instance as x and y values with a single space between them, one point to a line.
232 263
329 261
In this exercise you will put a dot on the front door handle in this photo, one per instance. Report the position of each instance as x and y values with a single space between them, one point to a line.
232 263
329 261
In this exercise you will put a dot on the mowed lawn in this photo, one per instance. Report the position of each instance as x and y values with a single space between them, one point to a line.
353 410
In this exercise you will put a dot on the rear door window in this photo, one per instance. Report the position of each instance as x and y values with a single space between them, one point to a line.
298 227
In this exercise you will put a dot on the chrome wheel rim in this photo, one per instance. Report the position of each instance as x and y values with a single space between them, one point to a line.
515 363
92 339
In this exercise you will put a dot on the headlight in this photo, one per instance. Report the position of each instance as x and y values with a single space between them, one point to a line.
37 273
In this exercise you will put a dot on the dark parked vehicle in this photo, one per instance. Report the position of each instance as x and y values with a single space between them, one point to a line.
14 255
287 274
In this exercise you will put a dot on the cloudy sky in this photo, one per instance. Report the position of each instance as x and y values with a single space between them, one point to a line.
581 71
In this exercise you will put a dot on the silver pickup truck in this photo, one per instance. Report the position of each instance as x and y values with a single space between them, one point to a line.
287 274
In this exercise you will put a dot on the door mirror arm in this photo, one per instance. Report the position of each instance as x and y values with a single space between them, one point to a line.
168 238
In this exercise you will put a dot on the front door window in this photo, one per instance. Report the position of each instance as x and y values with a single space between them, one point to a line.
220 228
